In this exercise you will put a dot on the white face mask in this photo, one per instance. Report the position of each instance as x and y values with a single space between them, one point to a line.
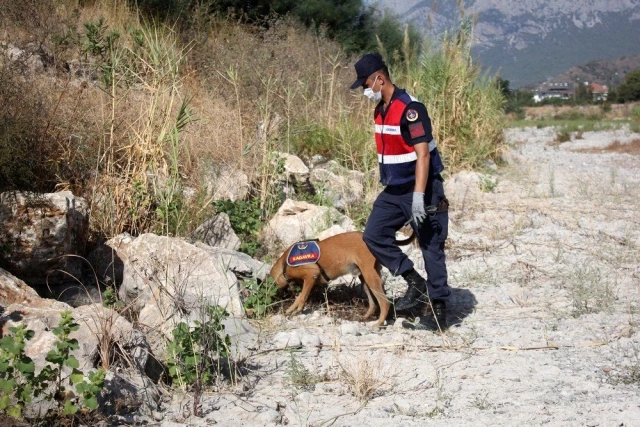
369 93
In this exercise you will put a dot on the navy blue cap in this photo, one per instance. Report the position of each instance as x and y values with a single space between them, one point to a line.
367 65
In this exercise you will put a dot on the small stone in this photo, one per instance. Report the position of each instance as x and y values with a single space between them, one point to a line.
287 340
404 407
305 397
606 369
278 319
377 413
270 416
399 323
158 416
349 329
309 340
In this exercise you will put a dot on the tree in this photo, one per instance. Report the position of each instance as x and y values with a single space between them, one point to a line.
350 22
504 87
390 34
630 89
582 94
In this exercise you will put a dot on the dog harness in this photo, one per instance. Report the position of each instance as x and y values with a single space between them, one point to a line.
304 252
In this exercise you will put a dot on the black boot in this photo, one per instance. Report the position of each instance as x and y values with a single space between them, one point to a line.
416 292
439 308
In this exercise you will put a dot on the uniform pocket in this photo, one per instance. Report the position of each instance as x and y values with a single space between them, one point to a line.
437 192
434 229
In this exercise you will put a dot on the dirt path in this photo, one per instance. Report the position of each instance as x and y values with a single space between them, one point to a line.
545 266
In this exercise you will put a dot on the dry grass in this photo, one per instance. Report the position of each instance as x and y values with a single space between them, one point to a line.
631 147
618 111
562 136
249 91
365 378
113 118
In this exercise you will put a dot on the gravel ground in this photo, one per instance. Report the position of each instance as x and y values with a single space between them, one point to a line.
546 303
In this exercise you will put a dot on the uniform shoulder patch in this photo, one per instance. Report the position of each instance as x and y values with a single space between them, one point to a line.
412 115
416 130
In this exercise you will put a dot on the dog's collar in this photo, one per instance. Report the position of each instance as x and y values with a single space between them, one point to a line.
325 276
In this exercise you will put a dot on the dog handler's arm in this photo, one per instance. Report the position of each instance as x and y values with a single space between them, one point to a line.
422 170
415 127
422 166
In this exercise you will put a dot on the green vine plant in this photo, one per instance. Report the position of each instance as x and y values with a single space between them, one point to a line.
18 381
19 384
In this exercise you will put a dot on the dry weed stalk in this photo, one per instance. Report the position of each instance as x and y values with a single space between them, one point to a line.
102 323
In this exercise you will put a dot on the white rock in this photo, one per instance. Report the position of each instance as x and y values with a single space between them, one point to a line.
294 166
309 340
227 184
217 231
270 416
404 407
349 329
287 340
297 221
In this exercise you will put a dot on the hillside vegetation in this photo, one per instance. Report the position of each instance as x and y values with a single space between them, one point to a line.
131 110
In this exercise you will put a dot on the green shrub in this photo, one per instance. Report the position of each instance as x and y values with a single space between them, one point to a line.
487 183
193 352
563 136
260 298
634 115
19 384
310 139
110 298
245 217
298 377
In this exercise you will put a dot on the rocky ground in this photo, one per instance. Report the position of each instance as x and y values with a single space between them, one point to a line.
543 256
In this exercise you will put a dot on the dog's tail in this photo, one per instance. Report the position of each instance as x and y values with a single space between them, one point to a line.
406 241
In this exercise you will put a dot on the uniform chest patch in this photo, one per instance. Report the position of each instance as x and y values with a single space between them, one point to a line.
412 115
305 252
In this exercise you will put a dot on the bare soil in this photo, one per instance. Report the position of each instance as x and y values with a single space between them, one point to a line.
544 316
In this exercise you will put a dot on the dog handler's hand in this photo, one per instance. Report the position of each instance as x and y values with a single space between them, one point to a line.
417 208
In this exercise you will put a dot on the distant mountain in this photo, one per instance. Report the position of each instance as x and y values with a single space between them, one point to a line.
530 41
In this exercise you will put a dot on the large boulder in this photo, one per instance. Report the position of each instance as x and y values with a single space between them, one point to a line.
34 57
167 280
227 184
293 166
100 328
296 220
217 231
241 264
14 290
342 186
42 234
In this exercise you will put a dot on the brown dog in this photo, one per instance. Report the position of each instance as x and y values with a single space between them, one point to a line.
341 254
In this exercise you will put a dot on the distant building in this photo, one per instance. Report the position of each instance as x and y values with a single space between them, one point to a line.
562 90
599 92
